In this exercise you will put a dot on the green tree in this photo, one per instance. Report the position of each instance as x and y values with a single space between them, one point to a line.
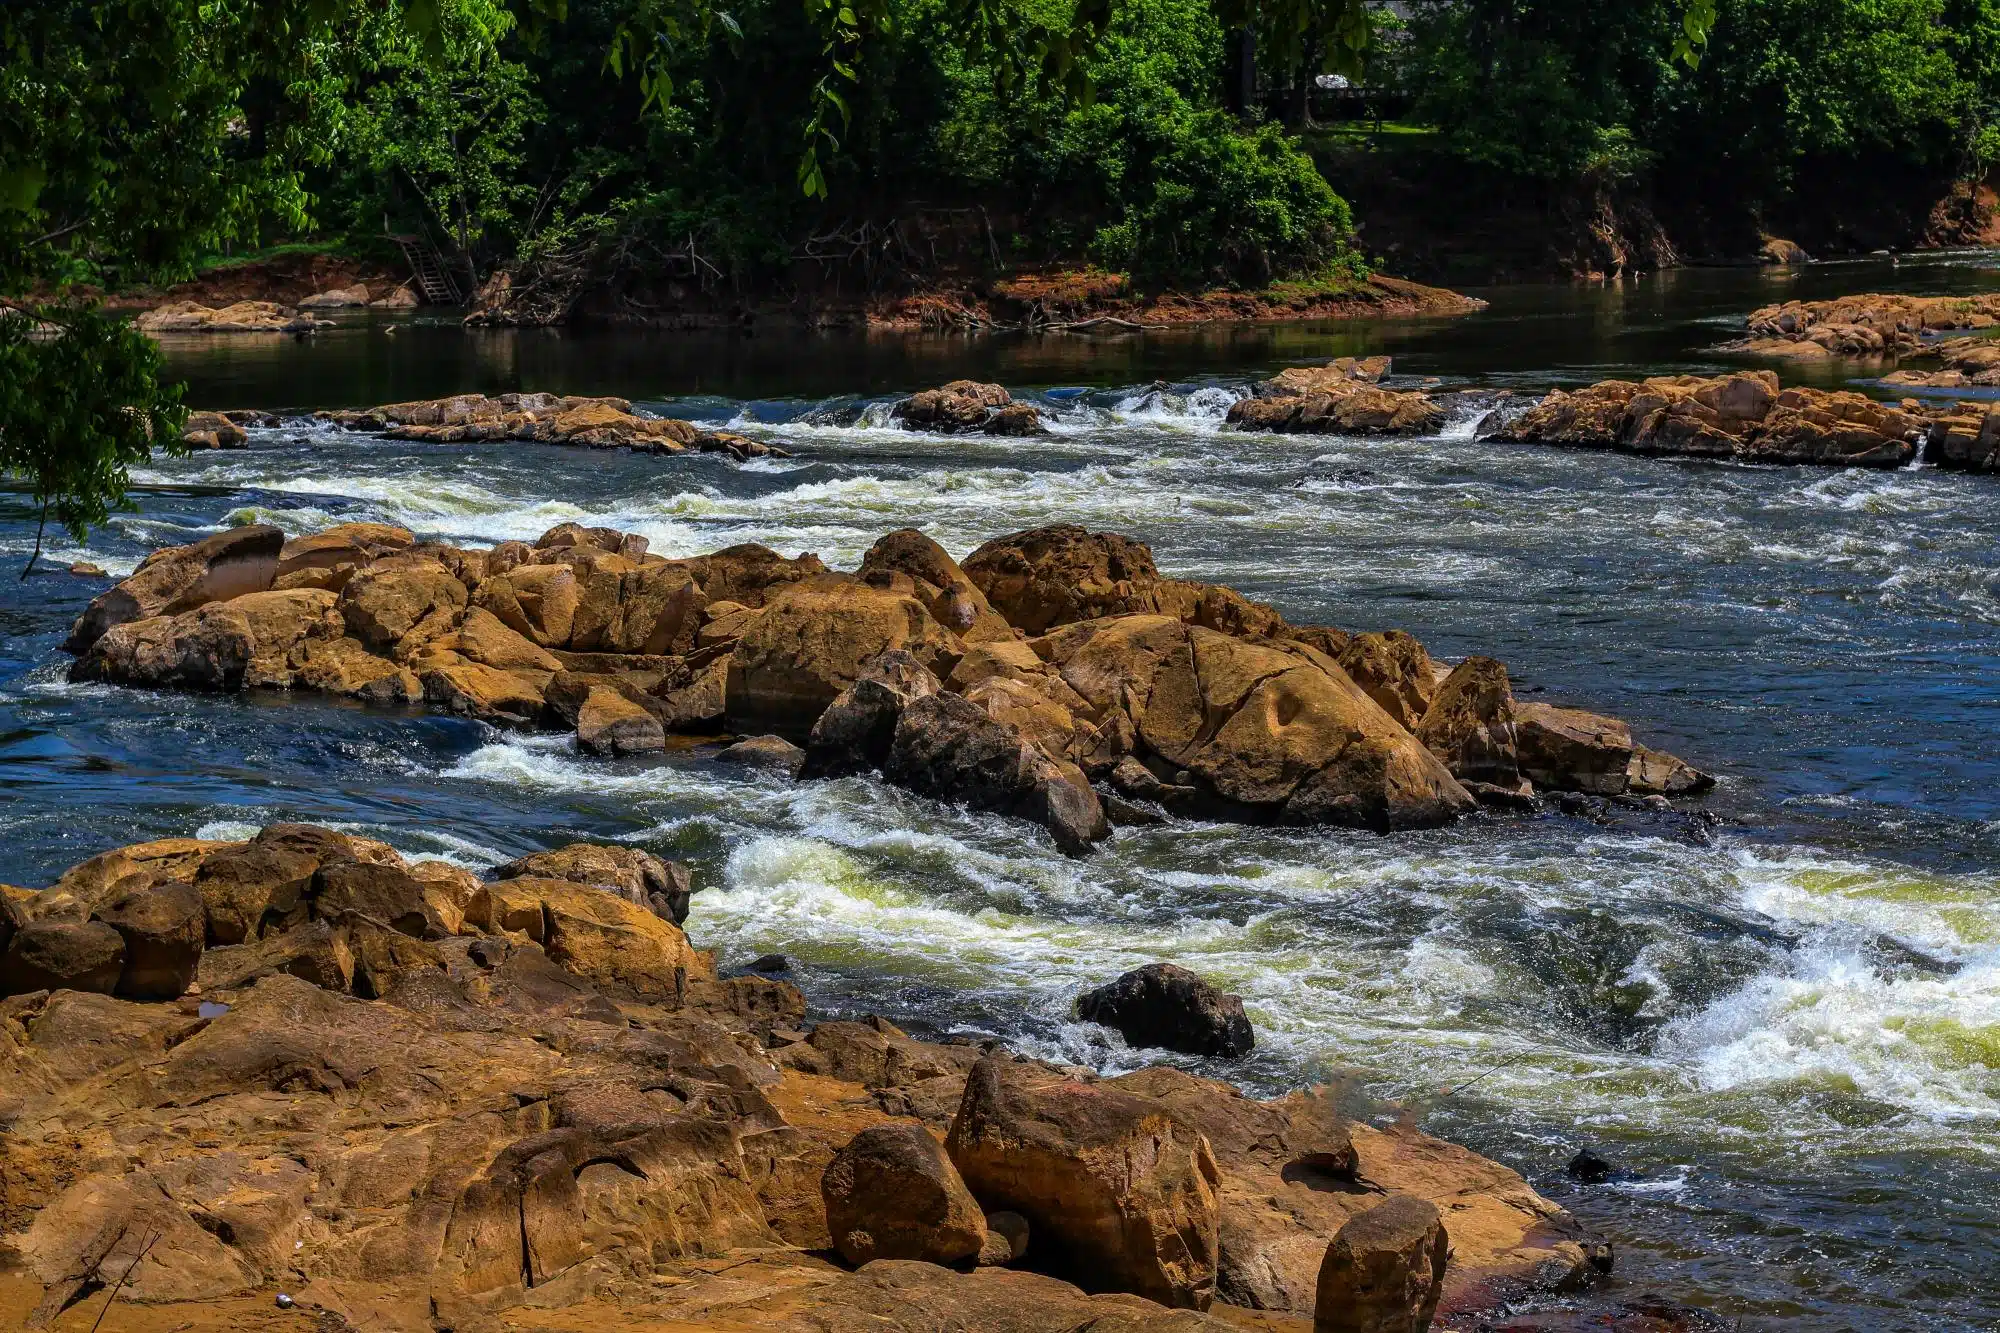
80 403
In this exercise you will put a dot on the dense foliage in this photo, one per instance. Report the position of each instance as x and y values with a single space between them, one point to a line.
1788 89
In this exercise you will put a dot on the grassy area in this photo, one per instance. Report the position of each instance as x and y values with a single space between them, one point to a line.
345 247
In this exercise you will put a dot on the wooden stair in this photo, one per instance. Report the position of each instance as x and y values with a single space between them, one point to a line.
434 281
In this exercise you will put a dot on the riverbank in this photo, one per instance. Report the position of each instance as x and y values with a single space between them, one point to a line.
423 1097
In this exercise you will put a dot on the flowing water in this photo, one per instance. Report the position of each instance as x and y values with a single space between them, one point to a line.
1785 1025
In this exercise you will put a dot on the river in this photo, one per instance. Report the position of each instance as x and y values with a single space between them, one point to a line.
1787 1029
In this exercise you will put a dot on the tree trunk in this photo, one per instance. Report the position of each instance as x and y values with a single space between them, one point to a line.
36 554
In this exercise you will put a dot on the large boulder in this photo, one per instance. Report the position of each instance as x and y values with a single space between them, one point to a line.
891 1193
1170 1007
181 578
1063 574
639 877
63 955
1268 729
387 896
1121 1194
953 599
612 943
813 641
164 928
1393 669
964 405
245 886
853 735
1384 1270
1470 725
329 557
610 724
946 746
382 605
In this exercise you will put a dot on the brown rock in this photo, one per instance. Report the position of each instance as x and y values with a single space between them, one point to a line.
891 1193
812 642
387 896
381 606
1393 669
1124 1194
1568 749
1384 1271
164 928
1470 724
612 943
958 406
62 955
611 724
662 887
212 430
181 578
346 668
947 747
953 600
482 692
853 735
1063 574
771 753
242 317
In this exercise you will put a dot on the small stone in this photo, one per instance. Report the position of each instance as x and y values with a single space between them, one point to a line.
770 964
84 569
284 1302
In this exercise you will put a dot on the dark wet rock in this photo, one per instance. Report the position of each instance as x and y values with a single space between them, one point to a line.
1006 1239
1590 1168
62 955
1170 1007
855 732
891 1193
1384 1271
947 747
770 964
164 928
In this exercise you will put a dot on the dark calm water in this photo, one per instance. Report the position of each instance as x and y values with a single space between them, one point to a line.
1789 1031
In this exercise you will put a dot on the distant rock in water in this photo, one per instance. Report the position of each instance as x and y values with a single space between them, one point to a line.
545 418
1052 661
1749 418
1170 1007
1870 327
242 317
967 405
1590 1168
1342 397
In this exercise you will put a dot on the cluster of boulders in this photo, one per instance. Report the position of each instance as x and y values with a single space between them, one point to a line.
408 1097
546 418
1056 675
965 406
1750 418
1969 363
382 296
1344 397
1862 327
242 317
223 430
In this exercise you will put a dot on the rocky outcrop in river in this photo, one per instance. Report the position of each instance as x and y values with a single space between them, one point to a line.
546 418
242 317
1343 397
1861 327
407 1097
1055 670
1750 418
